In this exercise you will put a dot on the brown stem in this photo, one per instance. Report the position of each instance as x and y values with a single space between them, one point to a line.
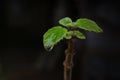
68 63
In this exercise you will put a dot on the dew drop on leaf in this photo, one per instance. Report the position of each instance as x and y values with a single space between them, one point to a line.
49 49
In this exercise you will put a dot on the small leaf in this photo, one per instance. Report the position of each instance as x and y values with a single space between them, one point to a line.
69 35
73 24
79 35
88 24
66 22
53 36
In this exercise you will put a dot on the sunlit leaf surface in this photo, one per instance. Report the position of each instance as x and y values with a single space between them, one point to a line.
53 36
69 35
67 22
78 35
88 24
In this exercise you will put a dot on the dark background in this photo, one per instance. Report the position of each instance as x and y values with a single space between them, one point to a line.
23 23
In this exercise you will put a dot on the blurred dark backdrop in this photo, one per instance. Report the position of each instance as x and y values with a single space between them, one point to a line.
23 23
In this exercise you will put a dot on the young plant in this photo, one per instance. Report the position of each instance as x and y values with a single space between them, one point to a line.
70 31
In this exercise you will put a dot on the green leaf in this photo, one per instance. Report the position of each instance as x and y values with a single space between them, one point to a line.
78 35
88 24
73 24
69 35
53 36
66 22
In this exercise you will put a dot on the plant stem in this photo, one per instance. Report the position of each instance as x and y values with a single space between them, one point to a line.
68 63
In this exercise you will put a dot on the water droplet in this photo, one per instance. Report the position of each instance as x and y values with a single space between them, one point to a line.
49 49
